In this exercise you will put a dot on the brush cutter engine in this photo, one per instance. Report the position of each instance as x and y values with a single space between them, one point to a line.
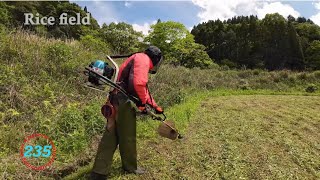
102 68
101 74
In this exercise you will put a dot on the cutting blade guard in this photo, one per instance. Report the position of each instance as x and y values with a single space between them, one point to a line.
167 128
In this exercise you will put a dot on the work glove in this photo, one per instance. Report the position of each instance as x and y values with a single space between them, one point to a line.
143 109
158 110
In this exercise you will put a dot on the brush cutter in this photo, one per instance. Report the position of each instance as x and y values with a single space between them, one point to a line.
166 129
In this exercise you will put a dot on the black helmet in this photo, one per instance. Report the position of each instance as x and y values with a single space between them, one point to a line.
156 57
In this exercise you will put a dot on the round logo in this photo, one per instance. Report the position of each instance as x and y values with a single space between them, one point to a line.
37 151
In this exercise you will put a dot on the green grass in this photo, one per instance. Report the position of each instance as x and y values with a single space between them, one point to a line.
242 137
233 135
256 137
41 92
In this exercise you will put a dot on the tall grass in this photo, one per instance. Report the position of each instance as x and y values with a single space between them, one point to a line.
172 84
41 92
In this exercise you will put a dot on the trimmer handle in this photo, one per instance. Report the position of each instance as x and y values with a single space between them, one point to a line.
155 116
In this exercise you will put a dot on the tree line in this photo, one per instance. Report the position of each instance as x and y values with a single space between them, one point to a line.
173 38
12 16
272 43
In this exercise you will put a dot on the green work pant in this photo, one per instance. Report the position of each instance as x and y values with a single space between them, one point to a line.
124 135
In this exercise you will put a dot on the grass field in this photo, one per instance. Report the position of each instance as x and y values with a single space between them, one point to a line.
236 137
42 92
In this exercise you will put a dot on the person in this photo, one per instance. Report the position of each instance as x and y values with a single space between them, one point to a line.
133 78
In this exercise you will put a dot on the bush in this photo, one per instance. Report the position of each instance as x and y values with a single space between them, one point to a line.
264 80
224 68
71 133
245 74
256 72
93 119
58 53
311 88
229 63
3 30
317 74
8 52
94 44
302 76
191 54
292 79
284 74
244 85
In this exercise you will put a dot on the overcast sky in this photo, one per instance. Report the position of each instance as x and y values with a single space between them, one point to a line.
141 14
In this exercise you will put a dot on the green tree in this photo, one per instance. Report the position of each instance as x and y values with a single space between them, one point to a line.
313 55
275 39
291 18
4 14
178 45
187 53
94 44
14 13
121 37
274 42
295 56
301 20
165 34
308 33
237 40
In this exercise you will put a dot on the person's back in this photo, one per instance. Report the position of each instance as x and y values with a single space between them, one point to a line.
133 77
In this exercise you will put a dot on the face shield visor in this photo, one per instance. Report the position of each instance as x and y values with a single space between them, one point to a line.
157 66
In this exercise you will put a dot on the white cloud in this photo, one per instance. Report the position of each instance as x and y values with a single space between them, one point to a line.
224 9
316 18
143 28
277 7
103 12
317 5
127 4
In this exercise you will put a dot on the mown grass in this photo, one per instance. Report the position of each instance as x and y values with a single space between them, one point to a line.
258 137
41 92
232 135
244 137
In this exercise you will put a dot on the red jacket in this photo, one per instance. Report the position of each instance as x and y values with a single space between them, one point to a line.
133 77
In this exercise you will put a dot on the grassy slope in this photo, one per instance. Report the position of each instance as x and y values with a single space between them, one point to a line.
231 136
